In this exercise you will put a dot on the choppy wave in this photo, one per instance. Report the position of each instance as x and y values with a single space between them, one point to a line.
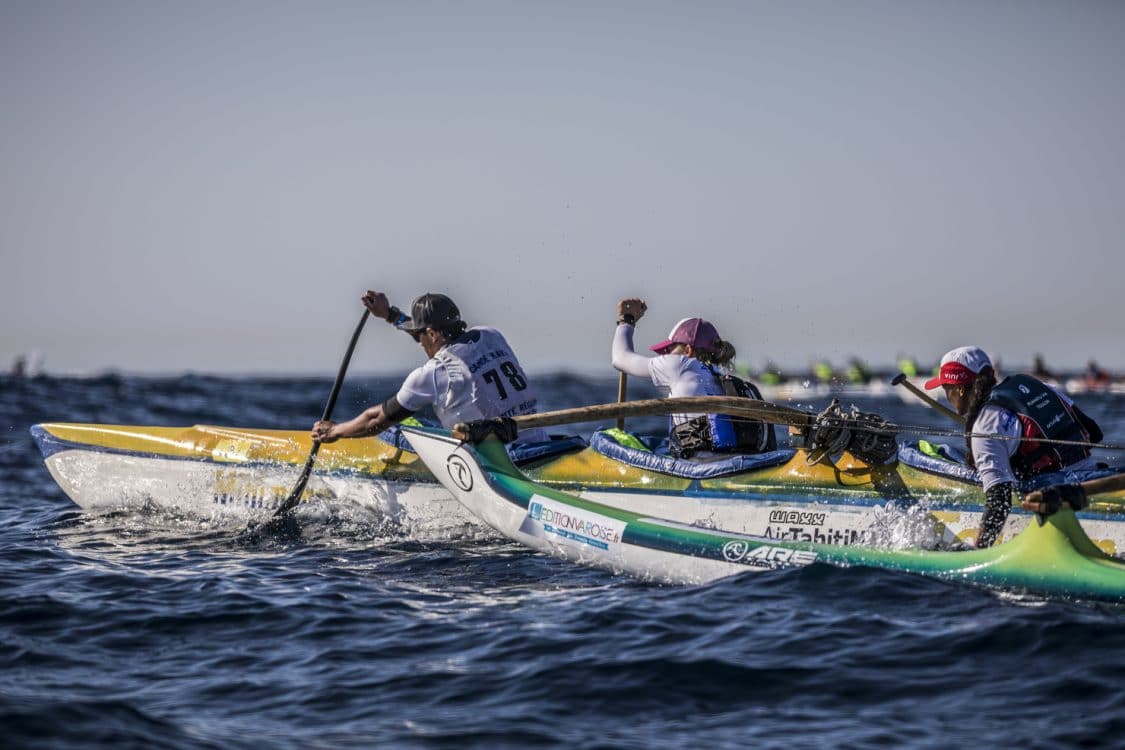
146 628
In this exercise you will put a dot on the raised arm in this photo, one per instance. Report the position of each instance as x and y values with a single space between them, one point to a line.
379 306
629 311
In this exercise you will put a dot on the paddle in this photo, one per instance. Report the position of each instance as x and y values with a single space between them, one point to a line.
734 405
622 381
1033 501
901 379
286 508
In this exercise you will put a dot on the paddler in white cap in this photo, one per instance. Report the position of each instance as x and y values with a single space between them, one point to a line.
1006 426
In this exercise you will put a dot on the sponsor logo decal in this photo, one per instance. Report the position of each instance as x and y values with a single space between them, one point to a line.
798 517
807 526
545 517
816 534
237 487
765 556
459 472
257 497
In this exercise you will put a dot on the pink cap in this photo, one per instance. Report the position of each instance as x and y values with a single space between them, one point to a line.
695 332
960 366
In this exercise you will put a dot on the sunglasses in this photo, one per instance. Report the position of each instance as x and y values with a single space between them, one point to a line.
417 335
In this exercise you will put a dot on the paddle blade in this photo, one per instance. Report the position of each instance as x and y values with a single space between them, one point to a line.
284 513
278 528
283 523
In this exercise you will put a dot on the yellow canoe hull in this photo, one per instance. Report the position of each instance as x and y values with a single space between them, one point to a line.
235 471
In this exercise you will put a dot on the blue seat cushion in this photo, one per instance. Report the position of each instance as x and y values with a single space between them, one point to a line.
687 468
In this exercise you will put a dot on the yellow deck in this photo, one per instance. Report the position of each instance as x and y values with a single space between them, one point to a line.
584 468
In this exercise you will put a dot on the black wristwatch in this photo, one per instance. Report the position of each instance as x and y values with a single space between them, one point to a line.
627 319
395 316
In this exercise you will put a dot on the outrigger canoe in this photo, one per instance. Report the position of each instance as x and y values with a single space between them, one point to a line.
235 475
1051 556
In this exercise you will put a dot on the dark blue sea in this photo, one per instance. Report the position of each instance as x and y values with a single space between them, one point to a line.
150 630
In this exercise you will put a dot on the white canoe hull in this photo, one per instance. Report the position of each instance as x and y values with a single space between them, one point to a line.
1052 557
234 494
231 494
234 476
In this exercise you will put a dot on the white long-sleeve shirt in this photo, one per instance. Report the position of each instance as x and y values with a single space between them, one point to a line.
674 374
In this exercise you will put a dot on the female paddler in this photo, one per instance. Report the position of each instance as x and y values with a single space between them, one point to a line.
1006 424
692 362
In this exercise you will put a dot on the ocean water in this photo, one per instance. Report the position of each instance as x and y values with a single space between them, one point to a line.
145 629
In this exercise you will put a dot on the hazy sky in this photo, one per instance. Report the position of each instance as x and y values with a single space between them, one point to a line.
211 186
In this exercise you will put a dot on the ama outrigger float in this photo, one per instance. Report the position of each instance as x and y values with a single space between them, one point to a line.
1052 556
901 497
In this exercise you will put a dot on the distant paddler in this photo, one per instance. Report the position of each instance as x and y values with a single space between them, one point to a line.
692 361
470 374
771 374
857 372
1095 376
1039 370
823 372
908 366
1007 424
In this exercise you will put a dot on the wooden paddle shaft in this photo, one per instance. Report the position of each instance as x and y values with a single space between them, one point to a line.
902 380
1033 500
733 405
294 497
622 382
1104 484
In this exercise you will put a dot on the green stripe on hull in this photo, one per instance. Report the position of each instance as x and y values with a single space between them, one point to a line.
1053 556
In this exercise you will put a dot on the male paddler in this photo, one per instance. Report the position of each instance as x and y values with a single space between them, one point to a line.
471 373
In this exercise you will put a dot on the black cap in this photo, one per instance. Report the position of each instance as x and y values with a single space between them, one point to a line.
432 311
